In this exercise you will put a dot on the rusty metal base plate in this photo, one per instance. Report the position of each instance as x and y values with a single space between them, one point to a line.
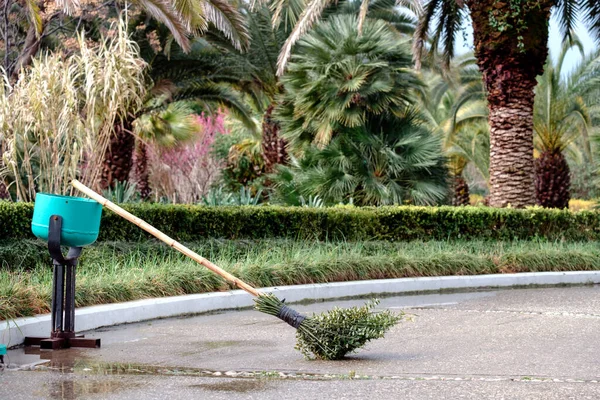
62 343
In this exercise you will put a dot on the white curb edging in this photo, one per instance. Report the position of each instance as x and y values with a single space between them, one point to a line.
88 318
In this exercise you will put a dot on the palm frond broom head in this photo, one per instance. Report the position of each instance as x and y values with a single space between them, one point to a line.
332 334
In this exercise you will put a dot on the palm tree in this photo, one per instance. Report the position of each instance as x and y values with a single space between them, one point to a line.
347 114
269 28
199 81
194 74
261 84
387 160
562 115
510 41
253 73
455 108
384 10
336 79
182 18
213 75
248 76
301 15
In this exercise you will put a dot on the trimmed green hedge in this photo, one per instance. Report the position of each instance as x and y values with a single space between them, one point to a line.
189 223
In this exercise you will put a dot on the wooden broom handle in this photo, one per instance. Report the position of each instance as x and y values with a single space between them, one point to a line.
158 234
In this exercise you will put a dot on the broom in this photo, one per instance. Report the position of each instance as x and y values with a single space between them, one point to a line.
330 335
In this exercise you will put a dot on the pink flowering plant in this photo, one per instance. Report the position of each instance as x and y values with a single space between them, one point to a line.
184 174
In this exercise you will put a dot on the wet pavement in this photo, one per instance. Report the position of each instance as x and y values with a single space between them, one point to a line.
508 344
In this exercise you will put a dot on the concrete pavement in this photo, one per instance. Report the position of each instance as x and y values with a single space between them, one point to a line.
507 344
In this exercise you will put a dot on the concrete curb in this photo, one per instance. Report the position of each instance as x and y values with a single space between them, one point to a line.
88 318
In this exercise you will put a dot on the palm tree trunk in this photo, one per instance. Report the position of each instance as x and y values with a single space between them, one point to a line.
552 180
510 62
141 173
460 191
118 159
4 195
511 151
273 146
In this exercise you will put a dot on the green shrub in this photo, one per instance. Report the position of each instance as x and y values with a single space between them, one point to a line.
189 223
15 220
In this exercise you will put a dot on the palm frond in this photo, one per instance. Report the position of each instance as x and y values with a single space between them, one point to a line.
163 11
452 15
591 10
192 13
170 126
227 19
573 42
444 19
309 16
34 16
415 6
210 94
385 10
421 33
567 11
286 11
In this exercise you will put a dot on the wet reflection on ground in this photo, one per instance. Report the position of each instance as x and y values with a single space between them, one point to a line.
74 389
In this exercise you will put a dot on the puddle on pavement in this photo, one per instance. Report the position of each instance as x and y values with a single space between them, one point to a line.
239 386
71 390
72 364
25 357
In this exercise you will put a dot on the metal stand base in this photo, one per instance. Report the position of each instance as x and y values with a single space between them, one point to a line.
63 296
62 343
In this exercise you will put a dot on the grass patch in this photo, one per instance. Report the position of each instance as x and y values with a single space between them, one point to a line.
119 271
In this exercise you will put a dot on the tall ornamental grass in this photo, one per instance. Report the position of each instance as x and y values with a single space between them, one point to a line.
57 119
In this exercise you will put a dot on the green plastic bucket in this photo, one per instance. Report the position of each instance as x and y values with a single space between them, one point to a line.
81 218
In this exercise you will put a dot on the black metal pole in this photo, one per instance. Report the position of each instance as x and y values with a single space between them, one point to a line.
71 261
54 232
59 296
54 297
69 325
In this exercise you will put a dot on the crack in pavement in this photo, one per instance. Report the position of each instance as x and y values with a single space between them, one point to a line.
129 369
